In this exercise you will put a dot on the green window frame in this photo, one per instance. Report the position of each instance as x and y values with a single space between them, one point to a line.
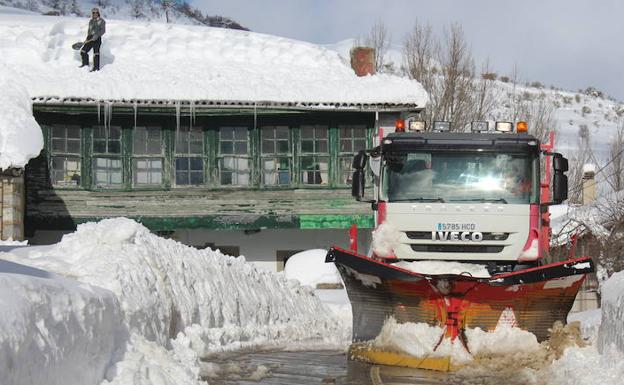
148 156
65 155
352 139
189 157
106 157
276 156
234 156
314 156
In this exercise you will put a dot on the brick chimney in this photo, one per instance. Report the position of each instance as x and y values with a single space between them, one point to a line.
589 183
363 60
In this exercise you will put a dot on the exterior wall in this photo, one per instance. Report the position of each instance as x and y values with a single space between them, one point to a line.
261 247
66 186
11 207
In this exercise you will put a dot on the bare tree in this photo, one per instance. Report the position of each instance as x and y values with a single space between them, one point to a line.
615 166
577 161
379 39
446 69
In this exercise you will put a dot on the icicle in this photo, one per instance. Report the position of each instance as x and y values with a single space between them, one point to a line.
255 115
98 109
136 108
192 112
177 110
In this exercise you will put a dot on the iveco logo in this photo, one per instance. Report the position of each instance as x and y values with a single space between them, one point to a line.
466 236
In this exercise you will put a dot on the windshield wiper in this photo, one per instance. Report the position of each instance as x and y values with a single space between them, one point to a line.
419 199
481 200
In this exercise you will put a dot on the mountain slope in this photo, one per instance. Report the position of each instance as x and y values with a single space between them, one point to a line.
172 11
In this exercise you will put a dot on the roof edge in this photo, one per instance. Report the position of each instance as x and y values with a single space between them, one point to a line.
221 104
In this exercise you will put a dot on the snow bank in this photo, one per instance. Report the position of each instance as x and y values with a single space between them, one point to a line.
611 332
309 268
166 288
54 330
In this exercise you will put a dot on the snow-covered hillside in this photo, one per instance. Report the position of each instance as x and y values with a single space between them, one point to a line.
172 11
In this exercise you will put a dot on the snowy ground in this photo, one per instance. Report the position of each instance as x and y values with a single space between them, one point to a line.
114 304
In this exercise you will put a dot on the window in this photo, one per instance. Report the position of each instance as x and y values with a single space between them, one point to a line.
276 156
148 166
314 159
189 156
65 153
234 161
106 161
352 140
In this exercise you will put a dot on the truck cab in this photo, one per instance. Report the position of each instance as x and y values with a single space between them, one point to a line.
466 197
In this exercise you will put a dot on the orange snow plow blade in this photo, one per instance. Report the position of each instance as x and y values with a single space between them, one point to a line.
531 299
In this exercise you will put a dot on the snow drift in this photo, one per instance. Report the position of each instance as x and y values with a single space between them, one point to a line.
54 330
192 302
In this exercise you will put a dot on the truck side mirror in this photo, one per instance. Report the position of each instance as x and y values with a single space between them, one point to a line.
560 180
358 184
559 163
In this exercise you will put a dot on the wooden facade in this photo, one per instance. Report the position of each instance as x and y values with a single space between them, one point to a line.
174 168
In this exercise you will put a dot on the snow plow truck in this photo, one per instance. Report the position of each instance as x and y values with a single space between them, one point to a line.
477 198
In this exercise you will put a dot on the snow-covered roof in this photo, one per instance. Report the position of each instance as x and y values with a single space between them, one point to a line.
142 60
152 63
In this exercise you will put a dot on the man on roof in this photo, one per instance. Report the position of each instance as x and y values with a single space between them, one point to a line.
97 28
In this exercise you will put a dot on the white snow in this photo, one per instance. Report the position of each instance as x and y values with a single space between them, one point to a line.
158 307
445 267
309 268
54 330
385 239
611 331
419 340
20 135
143 60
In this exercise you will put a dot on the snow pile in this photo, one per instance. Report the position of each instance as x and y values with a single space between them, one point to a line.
385 239
445 267
20 135
309 268
603 362
54 330
147 309
589 321
166 288
419 340
612 304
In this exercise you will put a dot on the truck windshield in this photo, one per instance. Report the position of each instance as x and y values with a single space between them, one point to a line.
446 176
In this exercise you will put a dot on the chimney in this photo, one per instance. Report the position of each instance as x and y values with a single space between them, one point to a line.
363 60
589 183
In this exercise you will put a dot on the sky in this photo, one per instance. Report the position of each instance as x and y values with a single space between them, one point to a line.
571 44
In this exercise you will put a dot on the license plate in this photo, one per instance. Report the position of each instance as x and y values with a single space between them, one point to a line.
454 226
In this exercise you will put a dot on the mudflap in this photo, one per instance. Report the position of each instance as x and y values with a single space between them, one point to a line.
531 299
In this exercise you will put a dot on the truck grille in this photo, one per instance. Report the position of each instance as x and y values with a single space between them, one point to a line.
426 235
457 248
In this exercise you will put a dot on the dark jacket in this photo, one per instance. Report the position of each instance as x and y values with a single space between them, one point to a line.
97 28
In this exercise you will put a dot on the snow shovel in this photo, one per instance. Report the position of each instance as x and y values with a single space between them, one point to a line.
78 45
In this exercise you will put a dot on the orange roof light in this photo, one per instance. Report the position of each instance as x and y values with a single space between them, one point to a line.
399 125
522 126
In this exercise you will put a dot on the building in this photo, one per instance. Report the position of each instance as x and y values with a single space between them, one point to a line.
260 171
